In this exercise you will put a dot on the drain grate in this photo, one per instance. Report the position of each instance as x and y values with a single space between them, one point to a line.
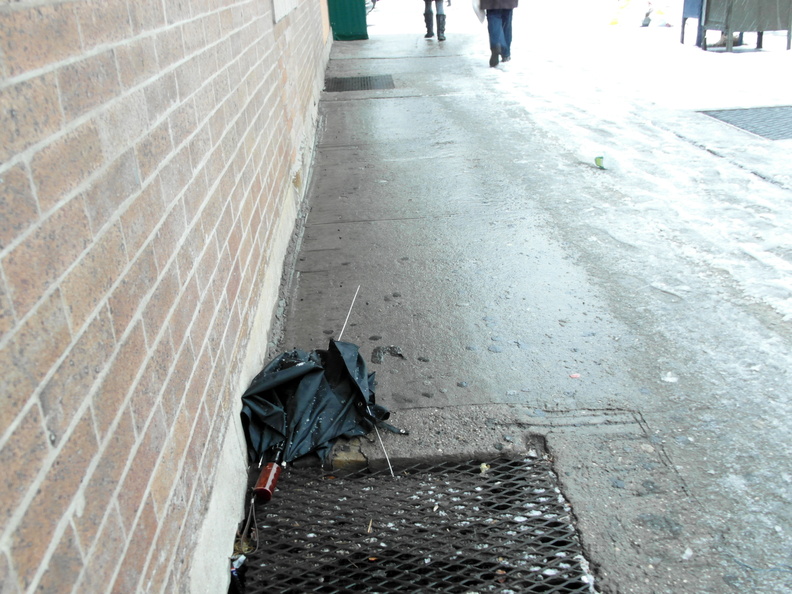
441 528
359 83
774 123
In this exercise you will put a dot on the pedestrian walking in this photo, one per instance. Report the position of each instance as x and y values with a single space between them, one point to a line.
429 19
499 26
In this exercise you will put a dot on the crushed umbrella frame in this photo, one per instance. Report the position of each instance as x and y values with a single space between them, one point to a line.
457 527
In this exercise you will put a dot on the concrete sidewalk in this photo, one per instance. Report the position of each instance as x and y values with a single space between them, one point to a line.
500 318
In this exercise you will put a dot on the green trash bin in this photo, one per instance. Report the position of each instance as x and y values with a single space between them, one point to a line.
348 19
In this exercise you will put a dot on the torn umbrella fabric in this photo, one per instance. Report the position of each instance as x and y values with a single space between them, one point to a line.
303 401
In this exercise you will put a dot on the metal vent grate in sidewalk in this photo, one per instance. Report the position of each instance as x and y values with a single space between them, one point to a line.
443 528
774 123
359 83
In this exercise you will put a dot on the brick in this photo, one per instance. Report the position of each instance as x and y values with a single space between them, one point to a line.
222 275
203 318
137 61
32 537
65 163
177 11
245 283
201 145
170 47
88 83
208 62
205 102
235 239
175 175
161 301
103 21
123 123
151 384
101 485
197 388
109 398
29 112
194 196
222 87
194 451
188 77
164 476
215 163
161 94
230 144
63 567
7 317
18 210
101 565
71 384
205 267
194 36
183 313
212 452
154 148
128 296
106 194
212 28
134 560
29 354
141 218
183 122
214 340
232 332
36 37
173 519
9 583
226 19
250 212
21 458
190 251
169 236
170 541
177 384
234 282
140 470
213 209
146 15
93 275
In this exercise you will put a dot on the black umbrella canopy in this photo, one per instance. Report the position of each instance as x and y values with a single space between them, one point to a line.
303 401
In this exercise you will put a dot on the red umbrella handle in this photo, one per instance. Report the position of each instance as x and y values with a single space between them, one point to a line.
267 480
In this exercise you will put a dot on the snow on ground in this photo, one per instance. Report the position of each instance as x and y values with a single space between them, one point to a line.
633 94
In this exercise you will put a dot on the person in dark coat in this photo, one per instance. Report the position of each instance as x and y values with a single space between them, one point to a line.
499 25
441 19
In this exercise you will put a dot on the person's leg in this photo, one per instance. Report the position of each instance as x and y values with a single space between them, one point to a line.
428 19
507 35
441 19
495 30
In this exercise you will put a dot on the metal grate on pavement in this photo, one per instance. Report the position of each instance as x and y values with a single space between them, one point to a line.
774 123
454 527
359 83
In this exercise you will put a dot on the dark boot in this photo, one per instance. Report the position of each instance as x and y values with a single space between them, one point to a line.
441 27
495 54
429 23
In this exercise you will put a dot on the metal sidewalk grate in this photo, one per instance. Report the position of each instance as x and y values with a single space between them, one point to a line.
443 528
359 83
774 123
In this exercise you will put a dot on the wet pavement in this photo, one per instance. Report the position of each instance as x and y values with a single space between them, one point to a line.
513 294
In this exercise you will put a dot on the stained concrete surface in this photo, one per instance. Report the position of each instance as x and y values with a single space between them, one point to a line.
511 292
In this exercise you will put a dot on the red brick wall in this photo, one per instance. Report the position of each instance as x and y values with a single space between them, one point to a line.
147 155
